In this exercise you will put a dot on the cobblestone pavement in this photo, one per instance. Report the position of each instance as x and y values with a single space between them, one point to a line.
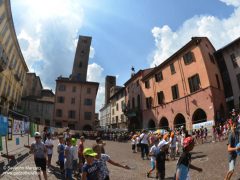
212 157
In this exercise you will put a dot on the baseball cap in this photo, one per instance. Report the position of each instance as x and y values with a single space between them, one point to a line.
89 152
187 141
37 134
74 141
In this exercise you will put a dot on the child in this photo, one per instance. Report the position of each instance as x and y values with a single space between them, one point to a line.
153 152
91 169
49 146
160 160
102 159
133 142
232 141
184 162
68 159
60 149
74 149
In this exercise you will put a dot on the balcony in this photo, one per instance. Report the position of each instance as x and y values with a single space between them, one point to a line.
17 77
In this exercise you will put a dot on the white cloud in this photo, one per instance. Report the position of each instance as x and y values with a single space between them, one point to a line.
95 74
219 31
235 3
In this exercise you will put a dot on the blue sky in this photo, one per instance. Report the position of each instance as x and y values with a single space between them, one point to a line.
139 33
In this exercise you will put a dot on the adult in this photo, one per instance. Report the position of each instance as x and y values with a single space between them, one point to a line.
144 144
44 134
80 153
40 155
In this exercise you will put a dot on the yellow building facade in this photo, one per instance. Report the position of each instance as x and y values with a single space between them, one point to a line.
13 67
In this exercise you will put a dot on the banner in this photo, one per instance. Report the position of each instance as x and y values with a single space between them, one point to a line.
18 127
208 124
3 125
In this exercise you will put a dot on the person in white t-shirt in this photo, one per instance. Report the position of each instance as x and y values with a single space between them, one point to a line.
153 153
74 150
49 146
173 145
144 144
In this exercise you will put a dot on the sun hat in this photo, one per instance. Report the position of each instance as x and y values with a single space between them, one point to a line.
187 141
37 134
74 141
89 152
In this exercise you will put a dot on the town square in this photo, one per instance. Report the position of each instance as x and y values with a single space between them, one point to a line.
118 89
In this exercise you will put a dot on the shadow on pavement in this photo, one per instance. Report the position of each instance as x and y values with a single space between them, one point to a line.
56 172
199 156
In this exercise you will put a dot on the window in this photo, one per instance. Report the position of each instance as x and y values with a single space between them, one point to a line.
61 87
116 106
137 83
218 82
211 58
88 102
47 122
172 68
194 83
60 99
122 104
59 113
238 80
88 116
80 64
112 111
71 126
149 102
138 101
71 114
116 119
147 84
73 101
175 92
2 17
4 30
234 60
74 89
89 90
158 77
160 97
188 57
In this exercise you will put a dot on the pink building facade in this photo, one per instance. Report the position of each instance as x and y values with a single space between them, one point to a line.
185 89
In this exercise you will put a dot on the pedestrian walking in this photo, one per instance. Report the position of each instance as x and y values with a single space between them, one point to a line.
153 153
172 142
184 162
144 144
49 146
80 153
60 149
74 150
68 159
160 160
232 154
40 152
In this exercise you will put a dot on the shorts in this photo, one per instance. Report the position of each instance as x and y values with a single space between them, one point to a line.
75 165
68 173
41 163
232 164
153 164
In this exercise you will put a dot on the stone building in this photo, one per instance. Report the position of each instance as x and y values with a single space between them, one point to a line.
76 97
228 58
185 89
13 67
105 116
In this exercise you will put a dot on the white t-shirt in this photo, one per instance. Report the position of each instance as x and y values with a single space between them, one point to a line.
154 150
137 140
133 141
49 142
74 152
144 138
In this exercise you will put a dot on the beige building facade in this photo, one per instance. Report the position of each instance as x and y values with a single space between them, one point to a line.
13 67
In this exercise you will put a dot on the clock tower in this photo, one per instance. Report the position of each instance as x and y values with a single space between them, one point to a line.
80 65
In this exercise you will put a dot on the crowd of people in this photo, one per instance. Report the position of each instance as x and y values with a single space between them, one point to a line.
86 163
